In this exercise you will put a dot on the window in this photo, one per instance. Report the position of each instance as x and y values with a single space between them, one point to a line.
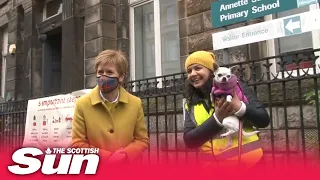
155 48
3 68
296 43
52 8
170 14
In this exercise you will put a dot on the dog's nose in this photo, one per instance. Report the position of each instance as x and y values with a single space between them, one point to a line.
224 79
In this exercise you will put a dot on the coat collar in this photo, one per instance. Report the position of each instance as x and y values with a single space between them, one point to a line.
96 98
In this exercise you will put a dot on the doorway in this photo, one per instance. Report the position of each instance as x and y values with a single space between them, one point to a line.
52 62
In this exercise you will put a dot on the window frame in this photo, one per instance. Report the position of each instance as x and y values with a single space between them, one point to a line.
272 50
4 53
44 14
157 38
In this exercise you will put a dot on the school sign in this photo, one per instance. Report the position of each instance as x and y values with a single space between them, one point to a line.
226 12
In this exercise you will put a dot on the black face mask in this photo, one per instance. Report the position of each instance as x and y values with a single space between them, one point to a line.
107 84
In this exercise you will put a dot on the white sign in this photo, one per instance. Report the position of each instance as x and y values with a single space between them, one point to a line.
49 120
287 26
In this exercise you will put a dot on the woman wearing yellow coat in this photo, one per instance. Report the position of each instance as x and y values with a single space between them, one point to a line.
203 118
109 117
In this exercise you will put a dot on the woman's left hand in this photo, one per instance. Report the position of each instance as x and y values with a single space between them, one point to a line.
117 157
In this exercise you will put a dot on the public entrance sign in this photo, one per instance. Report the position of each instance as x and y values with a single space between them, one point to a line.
287 26
226 12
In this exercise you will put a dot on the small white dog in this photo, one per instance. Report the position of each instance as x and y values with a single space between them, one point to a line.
224 84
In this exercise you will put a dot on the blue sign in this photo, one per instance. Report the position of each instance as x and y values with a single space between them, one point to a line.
301 3
226 12
292 26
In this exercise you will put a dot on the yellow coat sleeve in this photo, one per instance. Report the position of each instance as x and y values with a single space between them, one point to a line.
141 140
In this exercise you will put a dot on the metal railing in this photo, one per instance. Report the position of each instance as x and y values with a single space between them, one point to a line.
287 85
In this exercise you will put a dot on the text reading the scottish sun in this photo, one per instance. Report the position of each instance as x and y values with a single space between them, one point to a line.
247 7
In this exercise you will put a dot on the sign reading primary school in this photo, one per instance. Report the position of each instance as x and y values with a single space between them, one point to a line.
287 26
226 12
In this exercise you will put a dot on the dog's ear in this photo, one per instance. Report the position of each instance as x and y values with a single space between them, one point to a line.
234 69
215 66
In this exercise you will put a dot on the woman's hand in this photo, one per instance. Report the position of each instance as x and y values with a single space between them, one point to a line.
235 104
221 109
117 157
224 108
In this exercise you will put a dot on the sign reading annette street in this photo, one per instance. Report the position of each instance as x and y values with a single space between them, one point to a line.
226 12
287 26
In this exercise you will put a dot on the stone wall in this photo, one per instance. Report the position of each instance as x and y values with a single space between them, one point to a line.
28 31
100 34
72 45
88 27
33 49
106 27
122 23
18 79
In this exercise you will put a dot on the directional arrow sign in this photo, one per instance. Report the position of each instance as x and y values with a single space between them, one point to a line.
287 26
292 25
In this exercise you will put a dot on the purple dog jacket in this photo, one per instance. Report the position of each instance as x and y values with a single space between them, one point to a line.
224 89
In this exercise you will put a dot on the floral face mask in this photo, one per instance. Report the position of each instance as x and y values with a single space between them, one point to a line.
107 84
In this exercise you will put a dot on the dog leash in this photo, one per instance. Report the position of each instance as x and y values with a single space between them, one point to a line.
240 132
240 142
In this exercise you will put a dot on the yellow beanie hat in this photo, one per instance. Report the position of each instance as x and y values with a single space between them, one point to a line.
204 58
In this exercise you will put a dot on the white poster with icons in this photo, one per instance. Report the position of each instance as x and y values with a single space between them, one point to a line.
49 120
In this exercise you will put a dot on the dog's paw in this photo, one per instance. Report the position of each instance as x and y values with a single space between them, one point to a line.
229 98
223 135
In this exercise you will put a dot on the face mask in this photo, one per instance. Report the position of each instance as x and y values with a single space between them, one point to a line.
107 84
